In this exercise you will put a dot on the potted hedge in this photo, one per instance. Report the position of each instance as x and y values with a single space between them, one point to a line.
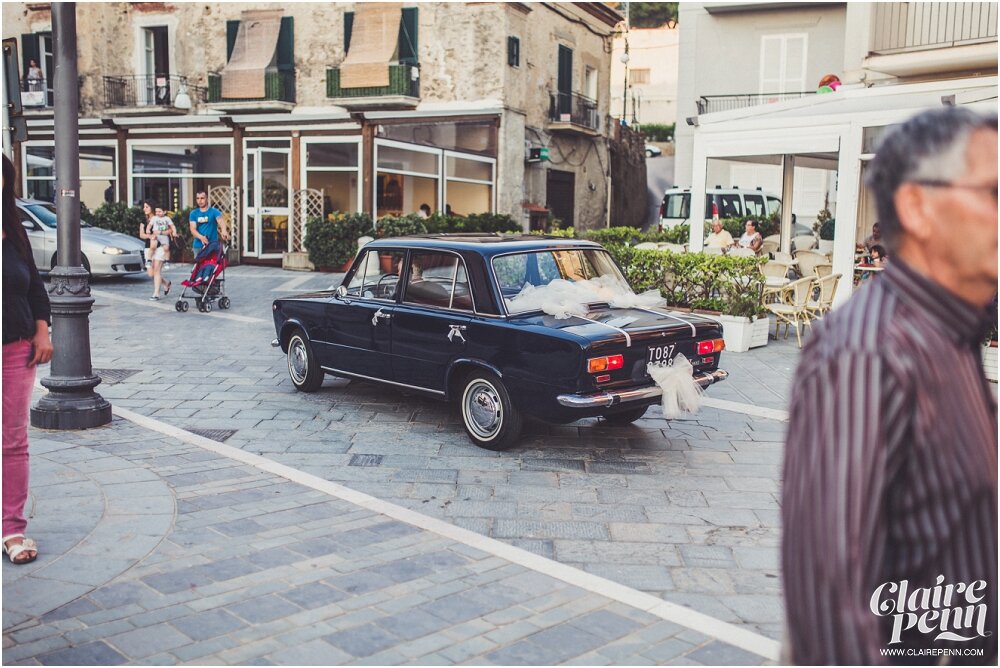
332 241
826 232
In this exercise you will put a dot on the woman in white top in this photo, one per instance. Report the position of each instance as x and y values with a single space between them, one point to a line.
751 237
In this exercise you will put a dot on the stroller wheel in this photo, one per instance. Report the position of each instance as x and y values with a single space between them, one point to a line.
182 306
224 303
208 307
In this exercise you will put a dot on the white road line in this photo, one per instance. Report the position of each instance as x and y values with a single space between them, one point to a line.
169 306
292 284
746 409
654 605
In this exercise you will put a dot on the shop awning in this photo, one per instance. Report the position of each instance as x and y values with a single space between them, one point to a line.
253 53
374 38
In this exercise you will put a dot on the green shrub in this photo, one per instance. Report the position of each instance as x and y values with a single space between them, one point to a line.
119 217
86 215
399 226
613 235
679 234
827 229
658 131
568 233
333 241
440 223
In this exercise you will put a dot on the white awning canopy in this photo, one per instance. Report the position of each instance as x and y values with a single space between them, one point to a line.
374 37
253 53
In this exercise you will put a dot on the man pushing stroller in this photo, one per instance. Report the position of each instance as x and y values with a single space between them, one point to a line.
206 222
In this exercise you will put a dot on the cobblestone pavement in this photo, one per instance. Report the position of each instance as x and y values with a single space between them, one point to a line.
685 510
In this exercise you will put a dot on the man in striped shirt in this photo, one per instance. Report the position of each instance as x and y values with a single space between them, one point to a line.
889 503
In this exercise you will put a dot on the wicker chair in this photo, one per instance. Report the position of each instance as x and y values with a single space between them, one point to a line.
804 242
713 250
780 256
775 278
818 307
739 251
823 269
808 260
792 309
769 246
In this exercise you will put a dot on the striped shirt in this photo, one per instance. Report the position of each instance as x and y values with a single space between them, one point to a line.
891 475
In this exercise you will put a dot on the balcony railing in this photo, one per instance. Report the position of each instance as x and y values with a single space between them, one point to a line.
575 109
35 93
278 87
914 26
148 90
404 81
708 104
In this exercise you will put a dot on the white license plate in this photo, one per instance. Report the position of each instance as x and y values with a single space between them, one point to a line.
662 355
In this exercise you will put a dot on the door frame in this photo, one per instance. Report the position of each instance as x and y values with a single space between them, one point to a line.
252 213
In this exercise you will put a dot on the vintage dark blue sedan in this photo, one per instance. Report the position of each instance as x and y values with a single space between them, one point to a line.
444 315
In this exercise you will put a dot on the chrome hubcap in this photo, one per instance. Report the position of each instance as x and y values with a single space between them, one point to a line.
483 409
298 362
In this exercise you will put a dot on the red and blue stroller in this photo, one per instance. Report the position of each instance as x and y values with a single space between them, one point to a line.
207 282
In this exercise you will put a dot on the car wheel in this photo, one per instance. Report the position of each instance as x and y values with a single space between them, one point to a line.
490 418
303 367
626 417
649 154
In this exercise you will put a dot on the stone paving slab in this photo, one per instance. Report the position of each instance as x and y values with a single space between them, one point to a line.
339 584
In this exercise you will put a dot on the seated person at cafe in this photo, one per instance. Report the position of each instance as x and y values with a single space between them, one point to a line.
719 237
751 237
877 253
874 238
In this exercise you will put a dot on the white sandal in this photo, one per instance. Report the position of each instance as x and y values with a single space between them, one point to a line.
15 550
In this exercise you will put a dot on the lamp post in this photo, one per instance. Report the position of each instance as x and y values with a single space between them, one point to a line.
625 58
71 402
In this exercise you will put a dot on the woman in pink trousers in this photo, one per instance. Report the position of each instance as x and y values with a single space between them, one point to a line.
25 344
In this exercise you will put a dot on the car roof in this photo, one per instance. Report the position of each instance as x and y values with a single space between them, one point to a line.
485 244
26 202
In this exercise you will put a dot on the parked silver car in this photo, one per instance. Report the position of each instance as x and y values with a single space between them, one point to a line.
105 253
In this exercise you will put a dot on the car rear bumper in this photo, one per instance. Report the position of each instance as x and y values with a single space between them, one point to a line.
618 397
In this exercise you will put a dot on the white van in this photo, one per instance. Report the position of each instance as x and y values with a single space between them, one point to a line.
733 203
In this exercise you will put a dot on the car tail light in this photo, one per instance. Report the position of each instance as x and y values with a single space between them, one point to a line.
711 346
610 363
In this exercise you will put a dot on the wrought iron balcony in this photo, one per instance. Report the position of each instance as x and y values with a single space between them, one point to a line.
149 90
708 104
278 87
403 89
898 27
36 93
573 112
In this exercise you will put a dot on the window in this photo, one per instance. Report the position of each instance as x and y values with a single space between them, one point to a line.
407 43
437 279
376 275
539 268
730 206
638 76
783 63
98 168
468 184
334 169
37 69
169 173
513 51
590 82
677 206
755 205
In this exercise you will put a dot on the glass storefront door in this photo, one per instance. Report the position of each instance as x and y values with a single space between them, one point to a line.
268 206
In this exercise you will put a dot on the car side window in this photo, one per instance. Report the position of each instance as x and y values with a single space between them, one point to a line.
730 206
755 205
431 277
377 276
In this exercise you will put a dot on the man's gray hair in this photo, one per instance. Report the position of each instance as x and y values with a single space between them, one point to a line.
930 146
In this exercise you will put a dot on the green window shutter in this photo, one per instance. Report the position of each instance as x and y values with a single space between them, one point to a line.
408 52
348 27
286 45
29 51
232 27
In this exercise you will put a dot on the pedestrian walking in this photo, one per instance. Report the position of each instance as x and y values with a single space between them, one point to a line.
159 231
26 344
206 222
889 502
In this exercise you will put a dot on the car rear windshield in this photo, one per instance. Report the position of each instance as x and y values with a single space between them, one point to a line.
46 214
539 268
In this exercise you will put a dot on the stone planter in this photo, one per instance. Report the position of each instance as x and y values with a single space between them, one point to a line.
297 262
990 361
742 334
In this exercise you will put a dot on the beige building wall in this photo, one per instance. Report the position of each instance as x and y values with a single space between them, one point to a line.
655 53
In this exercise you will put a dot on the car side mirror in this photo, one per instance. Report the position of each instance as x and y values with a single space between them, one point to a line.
341 292
28 225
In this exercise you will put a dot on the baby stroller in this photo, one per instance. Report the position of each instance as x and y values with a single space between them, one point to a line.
207 282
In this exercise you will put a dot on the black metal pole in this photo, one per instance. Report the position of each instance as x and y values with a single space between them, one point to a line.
71 402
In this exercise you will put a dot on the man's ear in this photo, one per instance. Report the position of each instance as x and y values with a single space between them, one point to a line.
913 208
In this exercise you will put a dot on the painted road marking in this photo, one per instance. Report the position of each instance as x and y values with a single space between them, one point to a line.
654 605
746 409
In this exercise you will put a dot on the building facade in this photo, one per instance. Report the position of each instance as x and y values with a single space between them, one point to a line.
650 94
289 110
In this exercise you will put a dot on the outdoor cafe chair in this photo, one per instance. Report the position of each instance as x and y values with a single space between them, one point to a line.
673 248
739 251
804 242
769 246
787 258
823 269
791 310
713 250
808 259
818 307
775 278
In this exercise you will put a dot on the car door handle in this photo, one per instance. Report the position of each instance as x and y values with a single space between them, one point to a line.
379 315
456 330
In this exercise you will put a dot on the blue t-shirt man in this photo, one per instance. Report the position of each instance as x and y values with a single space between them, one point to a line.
204 222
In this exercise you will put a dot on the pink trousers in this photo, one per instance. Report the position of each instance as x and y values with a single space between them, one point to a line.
18 379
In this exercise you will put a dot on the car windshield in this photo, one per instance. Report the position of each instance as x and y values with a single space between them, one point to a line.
676 206
536 269
46 214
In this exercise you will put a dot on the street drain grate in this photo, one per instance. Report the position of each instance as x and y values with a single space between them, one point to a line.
618 467
112 376
365 460
219 435
552 465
